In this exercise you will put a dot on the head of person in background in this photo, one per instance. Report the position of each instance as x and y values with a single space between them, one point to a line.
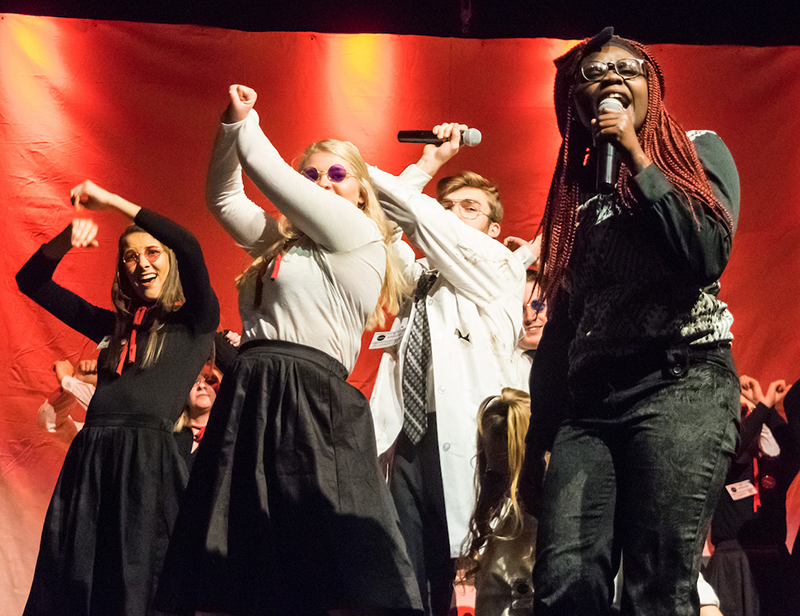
474 199
199 402
201 398
534 314
502 425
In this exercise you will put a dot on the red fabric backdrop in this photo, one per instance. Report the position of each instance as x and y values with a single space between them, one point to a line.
135 107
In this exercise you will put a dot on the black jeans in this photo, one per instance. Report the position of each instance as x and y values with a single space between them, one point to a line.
637 468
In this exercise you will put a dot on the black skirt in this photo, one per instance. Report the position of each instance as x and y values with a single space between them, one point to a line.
286 511
109 521
753 581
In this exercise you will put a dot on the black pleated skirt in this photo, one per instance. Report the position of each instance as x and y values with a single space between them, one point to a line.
286 511
110 518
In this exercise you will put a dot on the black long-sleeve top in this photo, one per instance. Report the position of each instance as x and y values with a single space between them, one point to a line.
161 389
737 520
646 279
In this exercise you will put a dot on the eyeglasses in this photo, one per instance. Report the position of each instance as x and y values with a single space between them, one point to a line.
469 207
132 258
335 173
627 68
536 305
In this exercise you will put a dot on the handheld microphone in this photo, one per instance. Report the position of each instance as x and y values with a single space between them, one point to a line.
470 137
607 165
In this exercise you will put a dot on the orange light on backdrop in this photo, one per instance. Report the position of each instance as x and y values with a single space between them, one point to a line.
359 74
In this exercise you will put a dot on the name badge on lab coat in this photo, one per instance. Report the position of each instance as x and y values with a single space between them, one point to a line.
382 340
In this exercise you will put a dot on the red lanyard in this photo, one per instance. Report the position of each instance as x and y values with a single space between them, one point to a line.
131 354
757 496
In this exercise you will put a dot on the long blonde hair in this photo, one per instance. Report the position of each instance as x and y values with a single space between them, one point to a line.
394 287
123 295
503 420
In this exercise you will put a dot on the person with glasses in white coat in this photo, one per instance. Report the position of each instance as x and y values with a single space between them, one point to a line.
424 396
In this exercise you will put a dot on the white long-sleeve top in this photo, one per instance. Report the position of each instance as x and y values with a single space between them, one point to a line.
329 282
475 316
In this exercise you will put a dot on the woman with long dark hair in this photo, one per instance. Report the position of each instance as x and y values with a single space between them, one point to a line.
287 511
111 515
635 361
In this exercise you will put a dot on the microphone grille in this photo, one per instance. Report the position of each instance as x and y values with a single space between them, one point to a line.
610 103
471 137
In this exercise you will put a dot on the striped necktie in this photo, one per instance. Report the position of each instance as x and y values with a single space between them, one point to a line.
415 366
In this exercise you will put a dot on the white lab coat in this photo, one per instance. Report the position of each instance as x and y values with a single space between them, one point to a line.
475 317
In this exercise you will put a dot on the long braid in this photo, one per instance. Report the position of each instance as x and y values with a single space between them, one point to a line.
559 222
663 140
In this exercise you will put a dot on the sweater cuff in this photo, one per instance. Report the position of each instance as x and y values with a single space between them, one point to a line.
652 183
415 177
234 126
525 255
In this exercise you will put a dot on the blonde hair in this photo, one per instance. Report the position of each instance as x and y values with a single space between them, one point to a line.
470 179
501 419
394 287
123 294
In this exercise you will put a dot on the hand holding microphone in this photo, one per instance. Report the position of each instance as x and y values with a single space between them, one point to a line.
607 164
615 135
443 142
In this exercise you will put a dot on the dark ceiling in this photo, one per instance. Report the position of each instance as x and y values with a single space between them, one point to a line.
670 21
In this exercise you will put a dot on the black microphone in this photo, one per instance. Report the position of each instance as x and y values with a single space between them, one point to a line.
470 137
607 165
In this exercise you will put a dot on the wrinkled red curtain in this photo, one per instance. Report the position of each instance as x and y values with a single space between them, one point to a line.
135 107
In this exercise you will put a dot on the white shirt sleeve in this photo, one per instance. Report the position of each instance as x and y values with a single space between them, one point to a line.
46 417
404 254
83 392
53 416
415 177
330 220
480 267
706 592
249 225
525 255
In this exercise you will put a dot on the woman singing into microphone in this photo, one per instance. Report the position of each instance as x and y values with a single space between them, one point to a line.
648 393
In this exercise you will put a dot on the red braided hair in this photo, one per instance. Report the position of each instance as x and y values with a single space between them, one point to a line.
663 140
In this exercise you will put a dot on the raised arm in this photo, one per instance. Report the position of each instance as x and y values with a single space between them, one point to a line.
201 302
434 156
480 267
327 218
246 222
35 280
